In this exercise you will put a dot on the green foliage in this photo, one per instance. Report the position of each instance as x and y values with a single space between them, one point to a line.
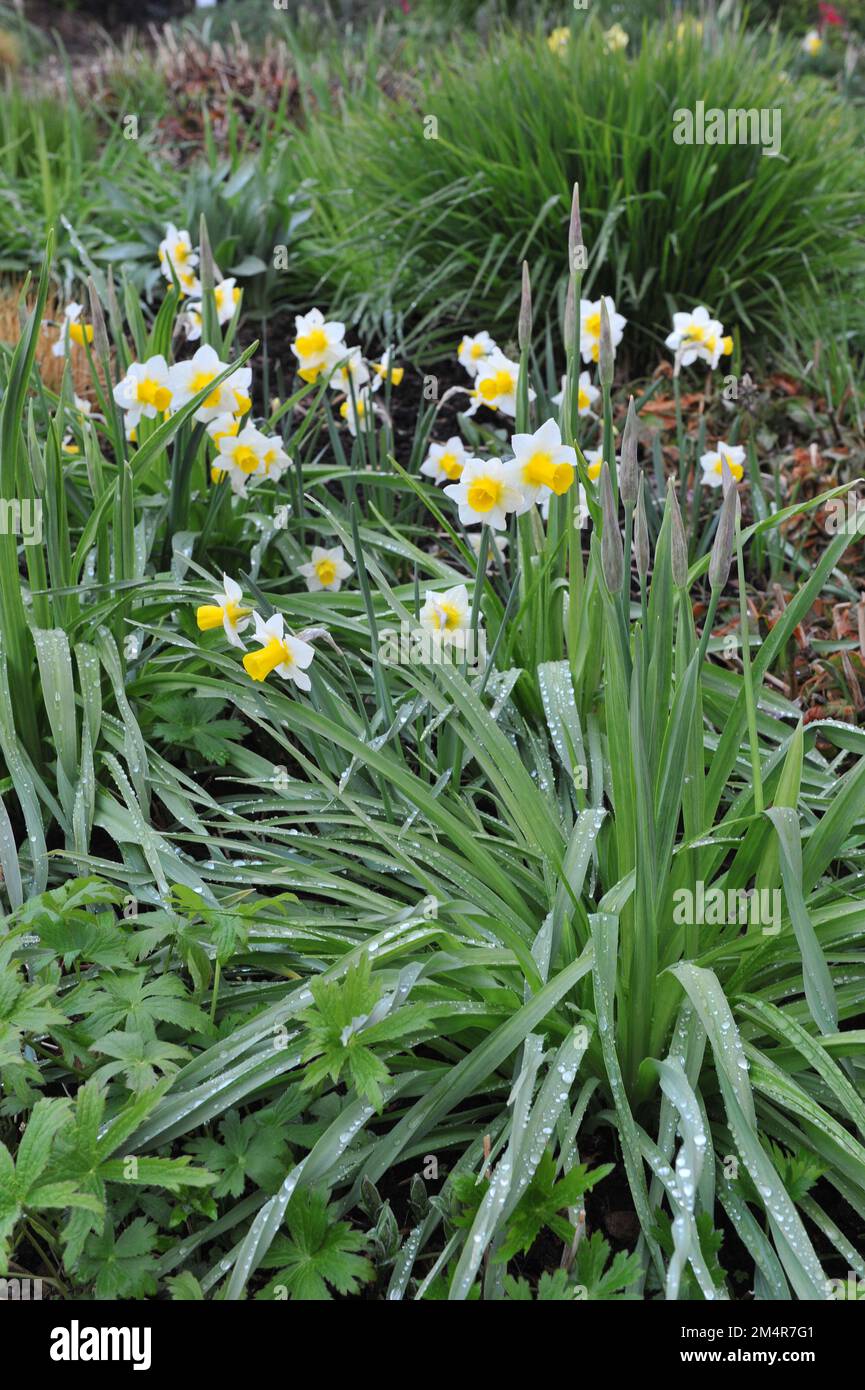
319 1254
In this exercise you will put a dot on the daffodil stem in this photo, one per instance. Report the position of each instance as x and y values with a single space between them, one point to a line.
750 704
708 623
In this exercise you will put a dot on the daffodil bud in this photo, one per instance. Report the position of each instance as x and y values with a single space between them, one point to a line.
641 532
97 318
524 327
113 305
628 471
575 234
605 349
612 550
722 550
678 540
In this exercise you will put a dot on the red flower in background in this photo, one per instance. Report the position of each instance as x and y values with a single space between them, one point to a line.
829 15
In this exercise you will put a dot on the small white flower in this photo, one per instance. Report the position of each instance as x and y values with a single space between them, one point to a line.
175 250
274 460
318 345
474 351
241 455
496 385
590 327
352 371
698 336
357 411
326 570
587 394
227 297
444 463
145 390
713 463
483 493
446 613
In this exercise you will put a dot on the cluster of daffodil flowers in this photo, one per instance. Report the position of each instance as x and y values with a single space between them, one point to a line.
542 466
289 656
177 261
697 337
321 351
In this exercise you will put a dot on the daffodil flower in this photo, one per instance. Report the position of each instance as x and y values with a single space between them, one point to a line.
227 297
145 390
594 463
326 570
496 385
581 510
474 350
274 460
444 463
559 39
385 372
241 455
812 43
541 463
446 613
698 336
712 463
186 379
499 542
587 394
288 656
356 411
615 39
318 345
352 372
484 493
590 327
175 250
226 611
72 330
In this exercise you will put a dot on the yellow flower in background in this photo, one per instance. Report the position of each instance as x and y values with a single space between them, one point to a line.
590 327
712 463
496 385
444 463
384 371
288 656
226 611
558 40
474 350
615 39
594 463
812 43
446 613
175 252
72 330
326 570
318 344
357 411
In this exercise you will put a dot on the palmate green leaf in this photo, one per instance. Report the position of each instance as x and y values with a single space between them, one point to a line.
320 1253
124 1265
